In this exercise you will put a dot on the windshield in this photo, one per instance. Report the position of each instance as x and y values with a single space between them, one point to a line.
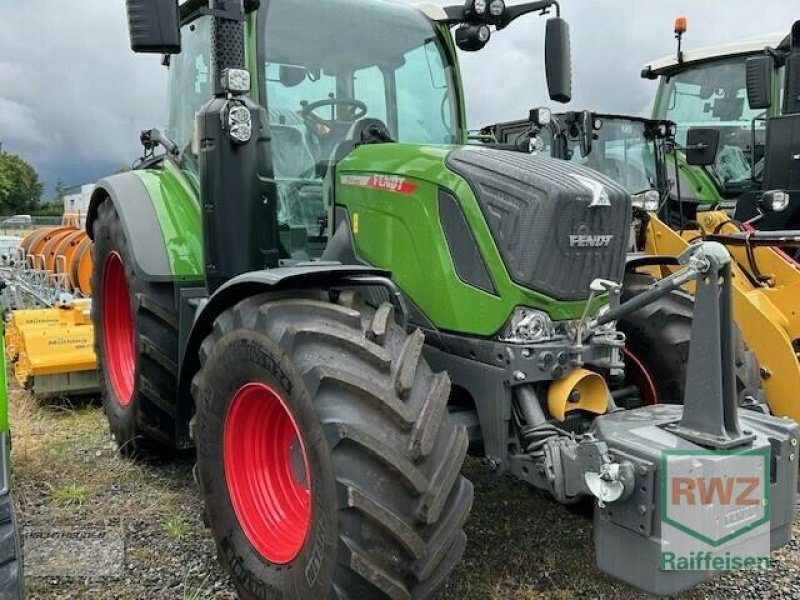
355 59
714 94
621 151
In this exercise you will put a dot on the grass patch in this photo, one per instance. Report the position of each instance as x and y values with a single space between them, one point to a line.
70 495
176 528
195 593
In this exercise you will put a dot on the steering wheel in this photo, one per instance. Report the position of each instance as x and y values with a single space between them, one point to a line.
307 113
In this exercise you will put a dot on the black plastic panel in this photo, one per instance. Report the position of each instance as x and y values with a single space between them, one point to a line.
538 211
463 249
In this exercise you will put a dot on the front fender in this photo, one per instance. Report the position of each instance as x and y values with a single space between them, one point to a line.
161 219
320 275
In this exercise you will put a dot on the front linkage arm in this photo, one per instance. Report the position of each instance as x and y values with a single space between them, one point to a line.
581 465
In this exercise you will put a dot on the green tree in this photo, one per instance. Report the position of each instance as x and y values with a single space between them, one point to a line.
20 188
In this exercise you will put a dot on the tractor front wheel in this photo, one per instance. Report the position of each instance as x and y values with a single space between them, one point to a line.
326 458
657 349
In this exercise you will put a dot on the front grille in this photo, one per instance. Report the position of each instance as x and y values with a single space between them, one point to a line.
541 221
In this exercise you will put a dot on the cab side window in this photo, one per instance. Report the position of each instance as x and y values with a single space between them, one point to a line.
189 87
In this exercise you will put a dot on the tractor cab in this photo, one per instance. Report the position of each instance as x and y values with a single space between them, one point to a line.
394 80
321 95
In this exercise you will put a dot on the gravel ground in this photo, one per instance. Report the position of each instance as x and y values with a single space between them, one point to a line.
97 526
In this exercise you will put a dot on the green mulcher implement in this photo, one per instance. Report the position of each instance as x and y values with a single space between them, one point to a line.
313 280
11 582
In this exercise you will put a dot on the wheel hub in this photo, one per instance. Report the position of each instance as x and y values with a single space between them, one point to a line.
267 473
118 336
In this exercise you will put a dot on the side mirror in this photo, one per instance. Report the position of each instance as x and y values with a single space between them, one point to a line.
587 132
702 144
155 26
558 63
758 71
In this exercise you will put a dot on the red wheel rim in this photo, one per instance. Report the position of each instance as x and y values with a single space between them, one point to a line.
266 469
120 351
640 376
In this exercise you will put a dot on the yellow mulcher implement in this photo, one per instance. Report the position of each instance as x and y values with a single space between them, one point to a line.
53 349
766 289
49 335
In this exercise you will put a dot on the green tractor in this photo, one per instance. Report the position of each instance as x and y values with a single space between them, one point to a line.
739 102
11 582
315 282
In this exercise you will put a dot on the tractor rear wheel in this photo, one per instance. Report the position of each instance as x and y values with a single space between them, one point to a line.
326 458
657 349
136 340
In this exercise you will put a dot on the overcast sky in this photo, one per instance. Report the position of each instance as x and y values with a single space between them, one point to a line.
73 98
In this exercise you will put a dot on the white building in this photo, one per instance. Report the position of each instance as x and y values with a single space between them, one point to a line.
76 200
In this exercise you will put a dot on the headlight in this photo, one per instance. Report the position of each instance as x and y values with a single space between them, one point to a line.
479 6
240 124
497 8
236 81
774 200
238 115
648 200
528 326
541 116
471 38
598 124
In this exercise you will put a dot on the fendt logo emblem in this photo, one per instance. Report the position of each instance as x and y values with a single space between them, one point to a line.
590 241
583 239
599 193
378 181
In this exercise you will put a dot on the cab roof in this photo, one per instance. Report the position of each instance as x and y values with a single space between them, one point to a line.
668 64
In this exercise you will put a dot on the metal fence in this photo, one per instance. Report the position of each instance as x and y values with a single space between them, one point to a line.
9 225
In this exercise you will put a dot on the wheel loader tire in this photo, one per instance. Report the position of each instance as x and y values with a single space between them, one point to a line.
136 340
657 348
11 579
330 416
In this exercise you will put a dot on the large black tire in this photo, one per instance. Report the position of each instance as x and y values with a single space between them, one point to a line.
142 422
659 335
11 580
388 502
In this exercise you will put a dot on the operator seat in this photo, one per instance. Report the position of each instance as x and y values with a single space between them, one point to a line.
363 131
